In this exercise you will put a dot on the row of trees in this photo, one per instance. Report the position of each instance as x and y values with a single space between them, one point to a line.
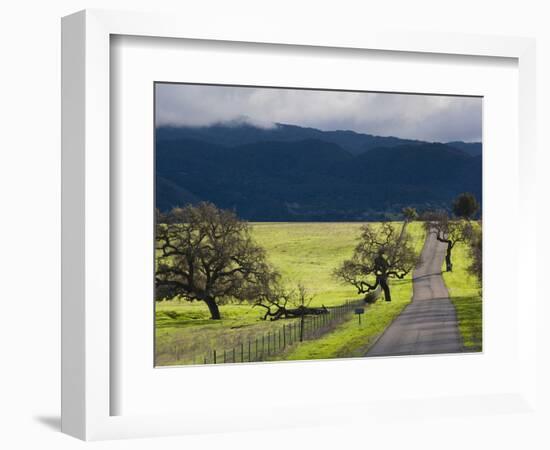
207 254
384 252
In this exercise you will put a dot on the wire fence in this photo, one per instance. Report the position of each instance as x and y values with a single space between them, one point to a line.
271 343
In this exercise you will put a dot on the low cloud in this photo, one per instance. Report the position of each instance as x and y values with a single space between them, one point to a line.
425 117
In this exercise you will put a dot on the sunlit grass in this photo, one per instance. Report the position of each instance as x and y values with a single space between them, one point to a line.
308 253
352 339
304 253
465 292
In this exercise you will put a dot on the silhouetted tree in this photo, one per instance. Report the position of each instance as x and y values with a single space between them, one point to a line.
281 303
447 231
465 206
382 253
290 304
206 254
409 214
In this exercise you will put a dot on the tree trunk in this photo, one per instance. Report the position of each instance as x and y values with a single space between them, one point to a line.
213 308
448 262
385 288
402 231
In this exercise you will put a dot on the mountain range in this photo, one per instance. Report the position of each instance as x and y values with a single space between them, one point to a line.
292 173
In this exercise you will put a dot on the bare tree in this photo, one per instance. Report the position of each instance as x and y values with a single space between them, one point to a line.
383 253
280 303
207 254
290 304
447 231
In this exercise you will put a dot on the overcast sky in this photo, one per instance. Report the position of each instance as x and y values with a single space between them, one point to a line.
425 117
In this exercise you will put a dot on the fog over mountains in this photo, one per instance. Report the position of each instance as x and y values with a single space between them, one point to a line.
293 173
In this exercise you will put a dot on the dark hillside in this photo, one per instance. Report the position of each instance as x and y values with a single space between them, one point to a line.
312 179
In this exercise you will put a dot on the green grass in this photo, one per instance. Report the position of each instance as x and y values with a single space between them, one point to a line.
308 253
184 332
304 253
465 293
351 339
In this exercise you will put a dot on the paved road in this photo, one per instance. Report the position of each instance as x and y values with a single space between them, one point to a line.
428 324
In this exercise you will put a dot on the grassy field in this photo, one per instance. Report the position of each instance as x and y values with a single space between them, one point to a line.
308 253
351 339
304 253
465 293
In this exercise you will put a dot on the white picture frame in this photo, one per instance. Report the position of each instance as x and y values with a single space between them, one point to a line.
87 353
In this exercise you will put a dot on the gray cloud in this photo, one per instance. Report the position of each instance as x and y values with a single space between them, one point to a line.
425 117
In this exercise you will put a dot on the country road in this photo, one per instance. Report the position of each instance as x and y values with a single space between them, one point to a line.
428 324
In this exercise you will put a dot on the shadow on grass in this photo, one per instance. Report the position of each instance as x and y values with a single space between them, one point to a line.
182 318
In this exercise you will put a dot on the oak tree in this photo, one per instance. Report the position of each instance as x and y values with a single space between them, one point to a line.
384 252
409 214
448 231
465 206
207 254
281 303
